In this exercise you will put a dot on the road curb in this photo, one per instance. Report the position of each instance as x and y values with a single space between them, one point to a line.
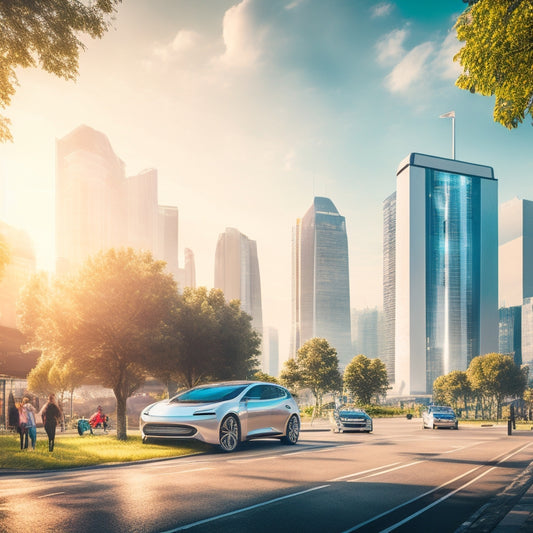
487 517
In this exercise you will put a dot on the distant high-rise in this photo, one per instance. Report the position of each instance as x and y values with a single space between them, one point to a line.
527 330
271 351
21 267
510 332
320 281
186 276
237 273
90 200
389 284
167 238
515 252
446 269
366 332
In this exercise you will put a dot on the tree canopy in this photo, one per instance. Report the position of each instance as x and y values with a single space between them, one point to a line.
497 57
105 322
46 34
365 378
315 367
4 256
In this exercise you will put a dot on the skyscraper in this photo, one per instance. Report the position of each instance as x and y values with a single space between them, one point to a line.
389 283
446 268
90 200
320 282
237 273
271 351
510 332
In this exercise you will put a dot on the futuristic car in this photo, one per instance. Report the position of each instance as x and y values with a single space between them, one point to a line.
345 418
225 413
439 416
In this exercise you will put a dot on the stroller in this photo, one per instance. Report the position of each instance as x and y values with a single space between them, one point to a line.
83 426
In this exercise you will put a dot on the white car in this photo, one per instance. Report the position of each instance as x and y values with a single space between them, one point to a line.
226 414
439 416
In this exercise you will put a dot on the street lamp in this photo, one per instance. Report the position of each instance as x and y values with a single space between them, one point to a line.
451 114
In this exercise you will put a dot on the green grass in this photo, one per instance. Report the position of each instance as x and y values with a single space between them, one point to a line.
75 451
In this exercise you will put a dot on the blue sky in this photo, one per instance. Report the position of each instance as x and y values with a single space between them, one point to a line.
250 108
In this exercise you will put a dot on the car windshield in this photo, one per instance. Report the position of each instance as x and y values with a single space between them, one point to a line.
216 393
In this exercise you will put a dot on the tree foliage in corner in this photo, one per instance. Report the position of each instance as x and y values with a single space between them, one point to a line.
4 256
105 323
315 367
497 57
365 378
46 34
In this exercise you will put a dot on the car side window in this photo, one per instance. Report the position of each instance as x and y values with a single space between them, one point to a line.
271 392
255 393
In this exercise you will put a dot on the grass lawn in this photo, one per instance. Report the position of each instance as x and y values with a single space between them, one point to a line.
74 451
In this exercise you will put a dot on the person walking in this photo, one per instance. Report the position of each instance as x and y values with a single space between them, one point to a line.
22 426
31 423
51 415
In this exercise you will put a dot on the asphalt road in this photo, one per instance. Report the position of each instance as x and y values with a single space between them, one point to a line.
399 478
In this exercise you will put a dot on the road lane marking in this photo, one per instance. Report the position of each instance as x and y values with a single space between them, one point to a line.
360 473
381 515
51 494
186 471
244 509
385 471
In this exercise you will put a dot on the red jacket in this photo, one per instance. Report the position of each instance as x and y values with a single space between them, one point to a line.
97 418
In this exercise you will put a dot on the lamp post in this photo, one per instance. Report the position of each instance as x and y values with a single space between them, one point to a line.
451 114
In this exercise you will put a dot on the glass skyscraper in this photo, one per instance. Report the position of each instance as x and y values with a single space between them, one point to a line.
510 332
320 284
446 269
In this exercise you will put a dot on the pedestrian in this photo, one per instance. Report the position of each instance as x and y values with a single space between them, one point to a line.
51 415
99 419
31 423
22 425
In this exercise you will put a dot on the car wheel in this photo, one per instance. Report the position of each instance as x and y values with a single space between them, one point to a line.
434 426
145 440
229 434
293 431
456 426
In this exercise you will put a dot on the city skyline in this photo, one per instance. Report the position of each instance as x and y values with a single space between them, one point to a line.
250 109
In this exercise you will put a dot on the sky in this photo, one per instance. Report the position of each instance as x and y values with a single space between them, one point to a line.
250 108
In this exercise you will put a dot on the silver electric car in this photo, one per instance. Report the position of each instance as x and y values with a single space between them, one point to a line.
225 414
439 416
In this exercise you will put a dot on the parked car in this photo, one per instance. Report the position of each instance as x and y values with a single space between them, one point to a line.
439 416
346 418
226 414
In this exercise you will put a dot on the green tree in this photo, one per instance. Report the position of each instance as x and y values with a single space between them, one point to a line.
365 378
453 389
208 339
497 376
46 34
106 322
262 376
315 367
497 58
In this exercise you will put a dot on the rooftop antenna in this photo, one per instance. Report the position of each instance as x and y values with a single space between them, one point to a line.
451 114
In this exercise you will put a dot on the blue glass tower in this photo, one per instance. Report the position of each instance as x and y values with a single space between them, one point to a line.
446 269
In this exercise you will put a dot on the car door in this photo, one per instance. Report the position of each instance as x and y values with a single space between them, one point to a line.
266 413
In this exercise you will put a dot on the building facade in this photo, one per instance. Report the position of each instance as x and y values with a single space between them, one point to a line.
237 273
446 269
510 332
389 284
321 283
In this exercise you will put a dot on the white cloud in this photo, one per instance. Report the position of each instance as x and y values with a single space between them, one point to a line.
409 69
444 65
240 39
381 10
390 47
184 42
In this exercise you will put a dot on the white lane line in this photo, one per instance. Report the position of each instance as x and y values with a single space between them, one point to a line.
244 509
362 524
51 494
172 472
385 471
361 473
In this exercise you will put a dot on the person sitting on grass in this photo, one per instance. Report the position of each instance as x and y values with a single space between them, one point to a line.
99 419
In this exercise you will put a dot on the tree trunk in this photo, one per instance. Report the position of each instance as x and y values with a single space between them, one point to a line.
121 414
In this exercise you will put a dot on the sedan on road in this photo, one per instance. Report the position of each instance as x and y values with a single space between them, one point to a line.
438 416
225 414
347 418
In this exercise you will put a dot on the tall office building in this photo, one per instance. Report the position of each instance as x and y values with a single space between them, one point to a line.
446 268
271 351
366 332
510 332
186 276
90 200
167 238
237 273
527 331
389 284
320 283
18 271
515 252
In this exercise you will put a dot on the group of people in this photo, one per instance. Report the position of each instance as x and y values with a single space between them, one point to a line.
24 418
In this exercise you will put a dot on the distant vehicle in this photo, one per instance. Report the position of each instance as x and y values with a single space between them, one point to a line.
346 418
226 414
439 416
